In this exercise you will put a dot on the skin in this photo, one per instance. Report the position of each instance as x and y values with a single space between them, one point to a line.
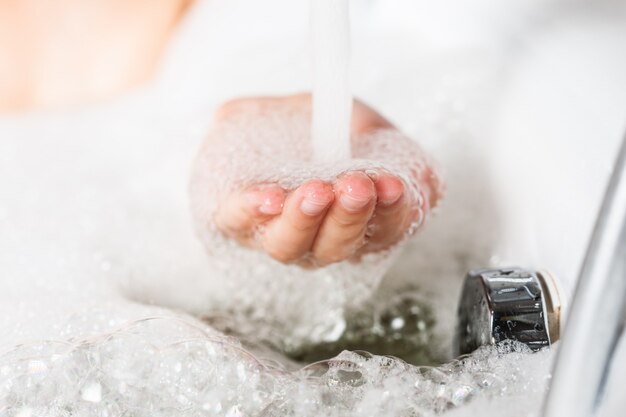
320 223
55 53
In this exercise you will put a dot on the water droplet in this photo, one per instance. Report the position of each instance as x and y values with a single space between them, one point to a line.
92 392
397 323
24 412
234 411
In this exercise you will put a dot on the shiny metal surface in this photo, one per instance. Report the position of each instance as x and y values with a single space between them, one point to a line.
507 304
596 319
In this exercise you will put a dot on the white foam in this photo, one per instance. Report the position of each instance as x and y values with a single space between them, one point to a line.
161 366
276 137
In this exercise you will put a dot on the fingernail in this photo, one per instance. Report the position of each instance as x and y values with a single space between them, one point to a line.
270 207
389 190
352 202
266 202
390 198
313 206
374 175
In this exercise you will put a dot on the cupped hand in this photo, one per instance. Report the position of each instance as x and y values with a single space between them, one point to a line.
319 222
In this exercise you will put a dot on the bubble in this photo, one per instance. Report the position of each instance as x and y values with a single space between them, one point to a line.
287 305
165 365
24 412
92 392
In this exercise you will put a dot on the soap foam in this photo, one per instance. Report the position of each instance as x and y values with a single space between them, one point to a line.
160 366
255 290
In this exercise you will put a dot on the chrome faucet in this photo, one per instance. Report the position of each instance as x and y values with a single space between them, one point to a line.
525 305
507 304
596 320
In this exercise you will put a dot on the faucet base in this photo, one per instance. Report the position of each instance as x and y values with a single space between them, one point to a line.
508 304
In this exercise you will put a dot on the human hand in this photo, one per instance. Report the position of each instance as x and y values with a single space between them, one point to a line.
321 222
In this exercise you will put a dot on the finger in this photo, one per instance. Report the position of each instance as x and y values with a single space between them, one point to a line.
433 188
290 236
240 213
343 230
391 215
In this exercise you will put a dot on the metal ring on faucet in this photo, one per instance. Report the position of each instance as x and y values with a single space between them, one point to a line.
507 304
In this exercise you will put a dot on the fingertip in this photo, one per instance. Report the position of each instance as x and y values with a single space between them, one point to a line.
389 189
316 197
435 187
290 236
268 201
355 190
